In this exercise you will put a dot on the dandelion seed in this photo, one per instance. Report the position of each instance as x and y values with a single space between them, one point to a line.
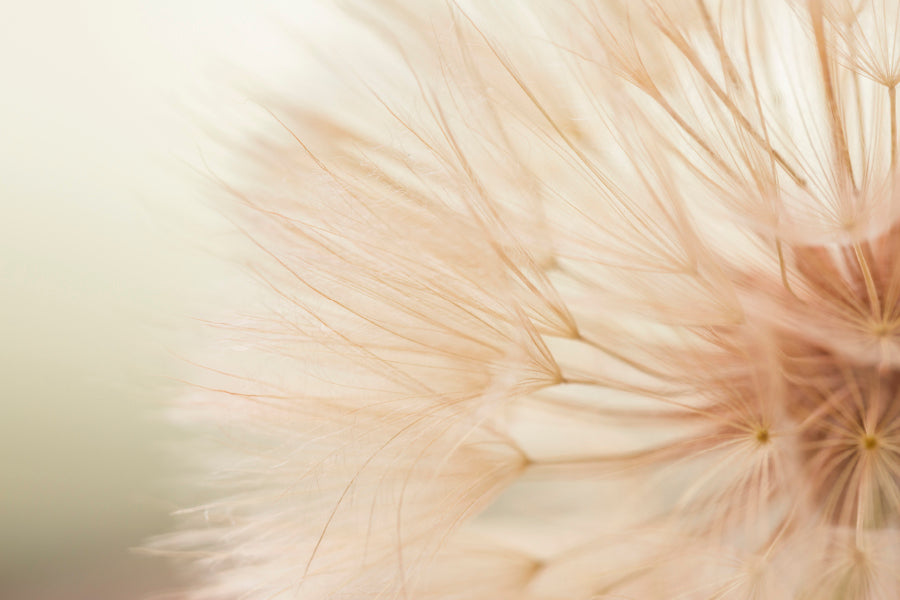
572 300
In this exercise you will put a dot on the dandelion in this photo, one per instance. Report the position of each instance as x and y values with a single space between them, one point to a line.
570 300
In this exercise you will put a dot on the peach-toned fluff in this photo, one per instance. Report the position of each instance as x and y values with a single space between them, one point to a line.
565 301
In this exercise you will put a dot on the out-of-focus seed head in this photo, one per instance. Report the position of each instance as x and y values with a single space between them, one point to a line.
570 301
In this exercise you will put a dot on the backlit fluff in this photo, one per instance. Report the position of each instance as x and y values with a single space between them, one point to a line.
568 300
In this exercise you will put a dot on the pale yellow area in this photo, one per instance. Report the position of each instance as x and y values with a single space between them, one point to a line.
106 250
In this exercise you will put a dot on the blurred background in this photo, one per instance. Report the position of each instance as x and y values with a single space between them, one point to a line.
107 251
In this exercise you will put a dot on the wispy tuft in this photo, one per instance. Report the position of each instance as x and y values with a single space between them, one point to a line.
568 300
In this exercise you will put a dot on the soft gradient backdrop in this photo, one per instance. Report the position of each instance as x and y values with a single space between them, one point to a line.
106 251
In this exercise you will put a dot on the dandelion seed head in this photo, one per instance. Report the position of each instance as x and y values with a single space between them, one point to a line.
592 302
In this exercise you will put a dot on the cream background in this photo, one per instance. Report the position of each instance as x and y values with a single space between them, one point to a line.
106 250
